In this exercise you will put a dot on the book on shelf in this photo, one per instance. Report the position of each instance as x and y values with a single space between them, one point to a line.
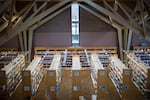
11 75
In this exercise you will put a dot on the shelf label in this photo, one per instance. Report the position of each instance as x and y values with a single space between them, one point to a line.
127 73
52 88
102 73
26 88
76 73
1 74
126 87
25 74
103 87
76 88
51 73
49 96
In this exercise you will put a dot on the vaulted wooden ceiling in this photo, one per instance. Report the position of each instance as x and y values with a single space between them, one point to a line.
24 16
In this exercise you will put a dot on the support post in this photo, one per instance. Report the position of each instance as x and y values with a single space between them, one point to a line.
30 38
25 39
120 43
129 39
21 42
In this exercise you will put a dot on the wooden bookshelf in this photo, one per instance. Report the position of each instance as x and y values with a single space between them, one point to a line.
80 66
104 55
67 59
6 57
64 58
10 76
47 57
84 58
54 77
31 78
76 77
141 48
121 77
100 77
67 52
139 63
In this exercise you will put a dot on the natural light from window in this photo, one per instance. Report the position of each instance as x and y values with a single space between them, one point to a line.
75 24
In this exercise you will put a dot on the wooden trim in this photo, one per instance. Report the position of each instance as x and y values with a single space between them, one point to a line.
76 48
8 49
141 47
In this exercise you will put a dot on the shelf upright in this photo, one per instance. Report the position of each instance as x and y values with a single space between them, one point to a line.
10 76
121 77
53 77
100 75
76 77
32 77
141 72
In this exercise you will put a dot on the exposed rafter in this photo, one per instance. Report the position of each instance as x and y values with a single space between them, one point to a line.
115 17
122 19
49 17
39 9
11 14
113 24
126 13
106 20
4 5
32 28
108 16
142 16
131 12
147 2
14 18
16 30
135 21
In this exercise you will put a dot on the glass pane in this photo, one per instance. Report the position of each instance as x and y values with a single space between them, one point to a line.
75 24
75 38
75 12
75 28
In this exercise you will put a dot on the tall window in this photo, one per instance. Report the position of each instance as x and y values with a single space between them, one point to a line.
75 24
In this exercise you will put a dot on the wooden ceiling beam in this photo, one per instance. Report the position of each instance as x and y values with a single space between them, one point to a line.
4 5
15 17
49 17
15 28
116 17
32 28
126 13
106 20
29 22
